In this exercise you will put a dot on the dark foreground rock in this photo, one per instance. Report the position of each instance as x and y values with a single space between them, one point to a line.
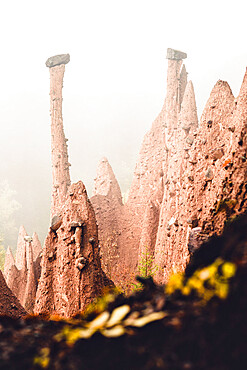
197 321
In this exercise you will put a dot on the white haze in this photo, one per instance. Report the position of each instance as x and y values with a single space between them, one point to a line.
114 85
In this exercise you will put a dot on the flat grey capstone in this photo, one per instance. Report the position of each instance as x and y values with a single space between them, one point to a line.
175 54
57 60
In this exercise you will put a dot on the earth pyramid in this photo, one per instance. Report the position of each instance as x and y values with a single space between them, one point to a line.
71 274
22 274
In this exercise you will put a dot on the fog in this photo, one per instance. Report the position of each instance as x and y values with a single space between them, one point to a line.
114 85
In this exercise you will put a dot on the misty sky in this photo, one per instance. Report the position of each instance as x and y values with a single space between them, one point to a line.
114 85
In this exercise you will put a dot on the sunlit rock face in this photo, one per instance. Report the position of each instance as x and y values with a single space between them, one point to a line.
171 244
9 304
71 274
220 179
22 275
212 183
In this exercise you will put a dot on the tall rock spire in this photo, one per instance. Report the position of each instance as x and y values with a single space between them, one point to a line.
181 124
188 118
176 82
8 263
37 249
182 85
60 164
71 274
140 215
21 249
17 279
31 285
108 207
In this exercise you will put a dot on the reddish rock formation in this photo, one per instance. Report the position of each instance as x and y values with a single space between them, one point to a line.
146 191
32 281
23 282
105 182
121 233
151 177
149 233
8 263
212 182
204 172
17 280
171 243
60 164
9 304
108 207
188 120
188 180
21 248
221 192
176 84
71 274
37 248
139 218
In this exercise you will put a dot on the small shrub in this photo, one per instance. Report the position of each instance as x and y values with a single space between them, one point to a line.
146 267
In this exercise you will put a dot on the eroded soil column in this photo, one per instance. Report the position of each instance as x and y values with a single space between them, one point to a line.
60 165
